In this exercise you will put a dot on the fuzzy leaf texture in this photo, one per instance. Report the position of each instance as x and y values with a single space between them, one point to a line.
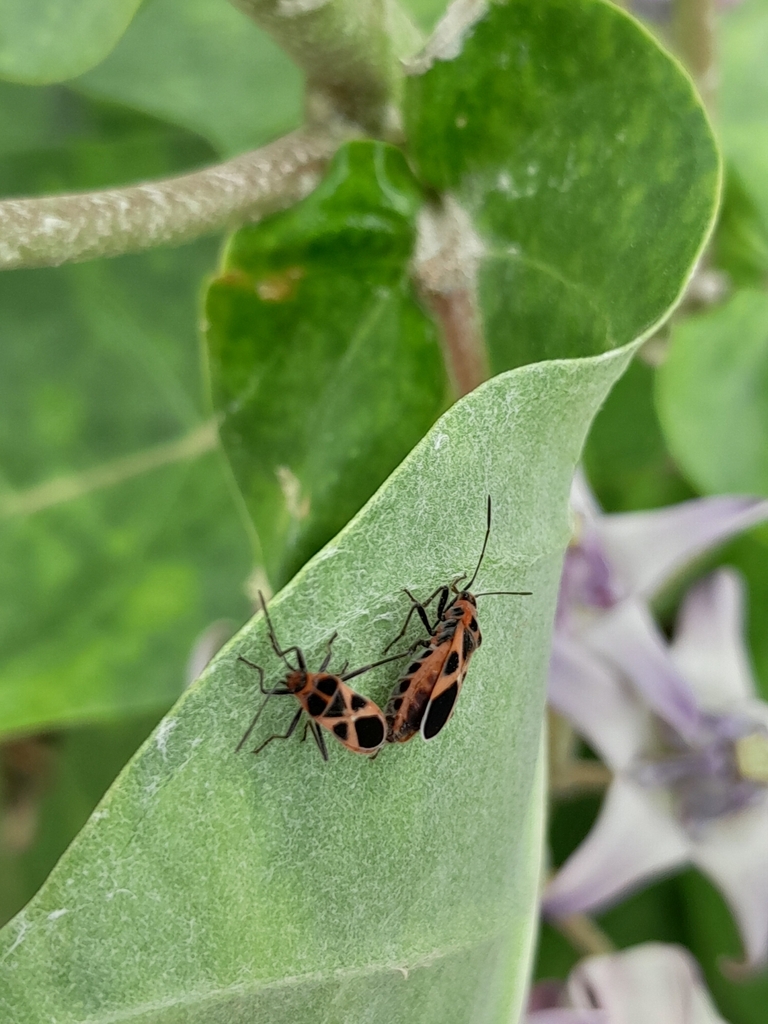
217 887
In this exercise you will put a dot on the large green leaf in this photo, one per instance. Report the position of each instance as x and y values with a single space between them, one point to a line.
51 40
585 161
712 394
204 65
214 886
116 553
324 368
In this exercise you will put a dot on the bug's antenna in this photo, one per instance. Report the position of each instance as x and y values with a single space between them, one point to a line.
485 545
375 664
276 646
509 593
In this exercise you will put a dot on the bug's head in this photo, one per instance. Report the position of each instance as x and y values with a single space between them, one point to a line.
296 680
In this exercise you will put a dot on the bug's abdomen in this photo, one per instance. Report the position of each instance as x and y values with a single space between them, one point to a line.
353 719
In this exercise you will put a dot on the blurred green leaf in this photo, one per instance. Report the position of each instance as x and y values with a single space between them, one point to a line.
324 368
586 162
116 553
83 763
740 245
51 40
626 458
714 941
742 102
204 65
211 886
712 395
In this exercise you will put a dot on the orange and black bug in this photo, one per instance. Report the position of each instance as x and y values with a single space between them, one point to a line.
424 698
326 700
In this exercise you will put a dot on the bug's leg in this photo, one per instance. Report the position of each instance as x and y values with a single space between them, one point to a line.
304 731
344 667
444 599
317 732
281 735
275 645
329 654
416 606
278 691
421 642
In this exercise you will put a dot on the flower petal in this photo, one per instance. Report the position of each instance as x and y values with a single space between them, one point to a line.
628 637
709 647
648 548
634 838
599 705
734 853
652 982
562 1016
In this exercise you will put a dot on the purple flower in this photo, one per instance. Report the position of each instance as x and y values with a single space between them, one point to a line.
687 739
616 563
649 983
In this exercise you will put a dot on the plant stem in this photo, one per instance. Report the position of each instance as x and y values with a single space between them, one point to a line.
348 49
67 228
445 268
584 935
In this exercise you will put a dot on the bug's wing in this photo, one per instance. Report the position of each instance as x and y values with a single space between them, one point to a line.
408 701
361 727
446 691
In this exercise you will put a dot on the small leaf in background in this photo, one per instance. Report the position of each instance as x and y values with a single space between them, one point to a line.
586 162
740 245
742 98
324 368
625 457
203 65
712 394
116 553
220 887
51 40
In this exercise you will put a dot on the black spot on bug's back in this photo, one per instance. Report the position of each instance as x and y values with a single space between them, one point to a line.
426 653
315 705
341 730
370 732
397 703
327 684
439 711
414 667
473 624
479 638
358 702
451 664
468 644
337 707
457 612
404 685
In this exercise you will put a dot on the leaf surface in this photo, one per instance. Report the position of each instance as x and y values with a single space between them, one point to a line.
218 887
324 368
584 160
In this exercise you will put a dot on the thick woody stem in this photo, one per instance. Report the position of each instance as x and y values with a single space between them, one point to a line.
348 49
67 228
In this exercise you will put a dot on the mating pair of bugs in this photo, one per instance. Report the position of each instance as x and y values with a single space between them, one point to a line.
423 698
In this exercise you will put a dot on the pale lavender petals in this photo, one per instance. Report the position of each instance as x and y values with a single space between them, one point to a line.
647 549
606 712
634 839
628 637
735 855
563 1016
709 647
649 984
